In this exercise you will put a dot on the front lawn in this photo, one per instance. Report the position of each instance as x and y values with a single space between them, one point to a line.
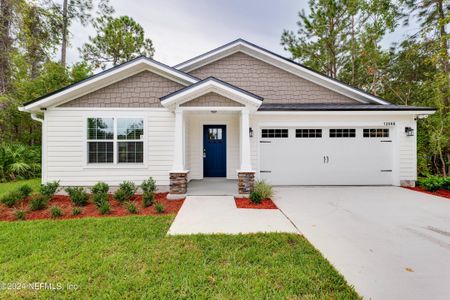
13 185
131 257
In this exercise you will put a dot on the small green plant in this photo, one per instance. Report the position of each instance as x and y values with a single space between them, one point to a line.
11 198
78 195
100 188
99 199
104 208
38 201
159 207
56 211
131 207
76 211
148 186
49 189
25 190
263 188
148 199
20 214
446 183
125 192
255 196
432 183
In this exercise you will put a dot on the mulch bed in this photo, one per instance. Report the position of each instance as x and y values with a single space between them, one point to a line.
247 203
441 193
90 210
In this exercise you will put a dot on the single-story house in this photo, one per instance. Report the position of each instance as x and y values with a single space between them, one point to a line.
238 112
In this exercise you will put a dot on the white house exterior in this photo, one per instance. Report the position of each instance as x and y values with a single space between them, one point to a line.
238 112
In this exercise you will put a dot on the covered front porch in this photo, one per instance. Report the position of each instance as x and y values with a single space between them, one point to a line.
212 139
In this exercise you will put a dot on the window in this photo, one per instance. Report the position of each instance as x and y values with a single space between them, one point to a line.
375 132
127 133
215 134
343 133
100 140
308 133
274 133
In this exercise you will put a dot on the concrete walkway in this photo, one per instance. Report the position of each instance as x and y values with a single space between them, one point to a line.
389 242
212 186
219 214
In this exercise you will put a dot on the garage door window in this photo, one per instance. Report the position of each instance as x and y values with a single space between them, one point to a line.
375 132
343 133
274 133
308 133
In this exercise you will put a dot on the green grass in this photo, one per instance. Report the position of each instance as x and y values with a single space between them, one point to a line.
131 257
9 186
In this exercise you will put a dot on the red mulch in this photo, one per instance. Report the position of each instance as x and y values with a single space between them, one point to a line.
441 193
247 203
90 210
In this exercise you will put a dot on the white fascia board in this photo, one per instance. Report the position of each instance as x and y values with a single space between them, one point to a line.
283 64
207 87
109 78
350 113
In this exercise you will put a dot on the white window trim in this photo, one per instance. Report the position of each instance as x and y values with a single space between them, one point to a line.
115 164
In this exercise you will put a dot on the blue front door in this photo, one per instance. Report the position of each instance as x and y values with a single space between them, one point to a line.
214 151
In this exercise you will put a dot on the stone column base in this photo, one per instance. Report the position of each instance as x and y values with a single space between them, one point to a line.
246 181
178 185
408 183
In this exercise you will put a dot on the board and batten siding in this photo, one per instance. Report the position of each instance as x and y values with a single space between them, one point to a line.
65 148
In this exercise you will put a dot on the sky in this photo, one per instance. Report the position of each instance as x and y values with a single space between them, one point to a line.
182 29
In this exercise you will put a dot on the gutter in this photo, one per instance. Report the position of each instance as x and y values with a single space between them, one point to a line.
35 118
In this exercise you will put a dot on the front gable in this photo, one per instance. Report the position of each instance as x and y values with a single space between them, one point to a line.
274 84
212 99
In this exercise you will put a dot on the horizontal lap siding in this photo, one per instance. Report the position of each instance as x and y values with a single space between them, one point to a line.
407 152
66 149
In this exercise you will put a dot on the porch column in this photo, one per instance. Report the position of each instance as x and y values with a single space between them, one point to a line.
178 174
246 176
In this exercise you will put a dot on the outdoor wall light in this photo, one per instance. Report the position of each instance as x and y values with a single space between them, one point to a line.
409 131
250 132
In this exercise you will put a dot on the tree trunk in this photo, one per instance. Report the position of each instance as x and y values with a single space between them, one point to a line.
33 49
5 44
65 32
443 38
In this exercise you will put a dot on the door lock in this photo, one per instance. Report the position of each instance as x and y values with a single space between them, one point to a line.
204 153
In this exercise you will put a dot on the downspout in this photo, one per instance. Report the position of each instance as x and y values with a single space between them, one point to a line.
35 118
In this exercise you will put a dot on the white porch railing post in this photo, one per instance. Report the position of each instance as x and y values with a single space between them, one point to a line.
178 157
245 142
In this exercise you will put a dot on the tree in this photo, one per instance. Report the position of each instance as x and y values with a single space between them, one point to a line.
6 16
118 40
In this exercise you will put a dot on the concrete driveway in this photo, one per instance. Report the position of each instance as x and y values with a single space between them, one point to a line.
388 242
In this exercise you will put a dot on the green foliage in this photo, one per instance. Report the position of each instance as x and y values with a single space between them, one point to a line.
148 199
56 211
255 196
11 198
99 199
125 192
49 189
78 195
118 40
38 201
19 161
25 190
432 183
159 207
100 188
131 207
104 208
149 185
20 214
76 211
263 188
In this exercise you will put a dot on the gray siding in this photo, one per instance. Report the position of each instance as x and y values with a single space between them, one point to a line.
211 99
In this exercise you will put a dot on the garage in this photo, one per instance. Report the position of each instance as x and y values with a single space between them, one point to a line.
326 155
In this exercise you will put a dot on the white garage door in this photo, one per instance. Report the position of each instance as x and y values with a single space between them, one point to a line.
326 156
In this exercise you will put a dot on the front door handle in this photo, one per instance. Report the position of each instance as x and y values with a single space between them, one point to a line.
204 153
328 159
324 159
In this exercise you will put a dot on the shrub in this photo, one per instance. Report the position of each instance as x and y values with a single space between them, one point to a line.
49 189
76 211
78 195
20 214
446 183
99 199
100 188
432 183
264 189
25 190
255 196
18 161
55 212
125 192
148 199
38 201
104 208
159 207
131 207
11 198
148 186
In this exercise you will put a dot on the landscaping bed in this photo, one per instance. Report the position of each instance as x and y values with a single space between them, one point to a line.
440 193
247 203
90 210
